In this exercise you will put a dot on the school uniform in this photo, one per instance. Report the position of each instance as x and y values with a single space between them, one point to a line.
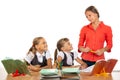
68 58
38 59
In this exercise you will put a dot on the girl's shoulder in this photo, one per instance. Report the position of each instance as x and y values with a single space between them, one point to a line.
74 52
47 51
60 52
31 54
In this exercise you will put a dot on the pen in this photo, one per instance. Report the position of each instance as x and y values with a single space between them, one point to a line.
92 51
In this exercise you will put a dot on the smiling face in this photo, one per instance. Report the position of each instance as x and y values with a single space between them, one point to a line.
92 17
67 46
42 45
92 14
64 45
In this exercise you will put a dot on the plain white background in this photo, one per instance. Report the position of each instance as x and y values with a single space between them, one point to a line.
23 20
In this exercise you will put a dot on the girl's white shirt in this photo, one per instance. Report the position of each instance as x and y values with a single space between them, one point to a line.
68 55
29 57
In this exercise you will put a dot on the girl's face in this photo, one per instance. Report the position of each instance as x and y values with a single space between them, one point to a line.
67 46
92 17
42 46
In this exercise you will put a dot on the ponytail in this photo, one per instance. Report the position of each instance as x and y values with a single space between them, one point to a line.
55 55
32 49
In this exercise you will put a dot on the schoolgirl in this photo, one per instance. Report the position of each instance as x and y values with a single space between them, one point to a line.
65 55
38 56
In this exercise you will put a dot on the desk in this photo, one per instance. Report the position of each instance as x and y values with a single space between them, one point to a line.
83 76
115 75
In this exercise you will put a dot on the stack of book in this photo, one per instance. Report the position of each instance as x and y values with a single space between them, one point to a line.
70 74
49 74
64 74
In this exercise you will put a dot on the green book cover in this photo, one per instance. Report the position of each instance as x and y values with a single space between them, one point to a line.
70 74
70 70
12 65
49 71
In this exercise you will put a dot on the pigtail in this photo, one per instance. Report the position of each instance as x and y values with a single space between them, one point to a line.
55 55
32 49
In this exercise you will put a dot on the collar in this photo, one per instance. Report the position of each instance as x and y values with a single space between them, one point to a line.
100 25
39 54
67 53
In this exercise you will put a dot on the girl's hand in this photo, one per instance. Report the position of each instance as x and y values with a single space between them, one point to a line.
34 67
83 66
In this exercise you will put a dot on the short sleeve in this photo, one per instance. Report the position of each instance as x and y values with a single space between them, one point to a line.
29 57
48 55
75 54
60 54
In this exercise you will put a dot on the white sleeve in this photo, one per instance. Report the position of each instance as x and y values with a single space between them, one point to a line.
60 54
29 57
75 54
48 55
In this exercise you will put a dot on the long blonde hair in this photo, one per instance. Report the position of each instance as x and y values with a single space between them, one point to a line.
35 42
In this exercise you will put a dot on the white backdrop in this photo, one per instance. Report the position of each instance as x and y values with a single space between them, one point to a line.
23 20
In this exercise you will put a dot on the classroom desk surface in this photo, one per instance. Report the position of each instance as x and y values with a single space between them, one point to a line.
115 75
83 76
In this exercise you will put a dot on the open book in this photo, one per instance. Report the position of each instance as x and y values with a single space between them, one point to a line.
12 65
104 66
